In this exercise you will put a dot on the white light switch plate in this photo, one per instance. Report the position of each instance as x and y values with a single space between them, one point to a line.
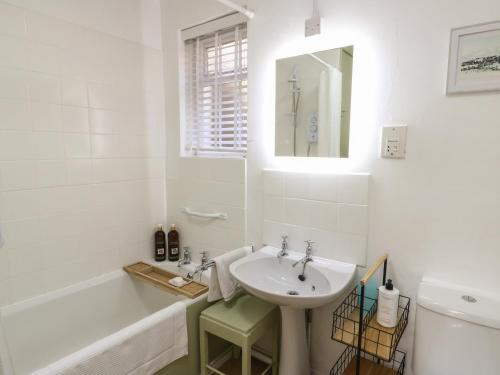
394 141
313 26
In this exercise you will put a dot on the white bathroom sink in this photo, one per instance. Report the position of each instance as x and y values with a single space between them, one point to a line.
275 280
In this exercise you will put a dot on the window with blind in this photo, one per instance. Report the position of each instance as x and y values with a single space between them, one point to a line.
216 92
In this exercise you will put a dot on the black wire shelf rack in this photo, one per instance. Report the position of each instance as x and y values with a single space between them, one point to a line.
371 348
376 340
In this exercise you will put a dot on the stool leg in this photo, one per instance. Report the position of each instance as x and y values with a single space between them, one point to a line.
276 348
203 350
246 358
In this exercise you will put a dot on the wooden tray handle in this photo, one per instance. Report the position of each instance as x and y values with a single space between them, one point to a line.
374 267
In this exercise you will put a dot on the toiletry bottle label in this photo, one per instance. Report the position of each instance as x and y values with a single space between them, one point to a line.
173 244
388 302
160 245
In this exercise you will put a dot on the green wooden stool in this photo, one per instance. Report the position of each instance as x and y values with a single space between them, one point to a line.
242 322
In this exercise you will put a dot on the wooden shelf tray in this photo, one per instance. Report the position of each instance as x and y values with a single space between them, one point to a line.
378 339
159 278
368 368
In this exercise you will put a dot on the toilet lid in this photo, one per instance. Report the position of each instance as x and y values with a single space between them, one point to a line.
460 302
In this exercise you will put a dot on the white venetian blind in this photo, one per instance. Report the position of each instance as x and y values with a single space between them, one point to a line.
216 92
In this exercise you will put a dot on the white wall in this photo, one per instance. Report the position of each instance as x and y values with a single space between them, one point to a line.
435 212
134 20
208 186
202 184
82 150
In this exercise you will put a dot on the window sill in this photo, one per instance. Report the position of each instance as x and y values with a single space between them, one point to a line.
213 156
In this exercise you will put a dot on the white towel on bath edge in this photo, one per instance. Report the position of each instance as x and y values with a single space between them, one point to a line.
142 348
222 284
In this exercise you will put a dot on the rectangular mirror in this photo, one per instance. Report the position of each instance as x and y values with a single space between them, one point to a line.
313 104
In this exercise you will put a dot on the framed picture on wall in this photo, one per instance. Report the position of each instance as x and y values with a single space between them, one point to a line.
474 64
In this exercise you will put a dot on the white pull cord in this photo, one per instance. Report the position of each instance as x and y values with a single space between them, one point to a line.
315 8
2 241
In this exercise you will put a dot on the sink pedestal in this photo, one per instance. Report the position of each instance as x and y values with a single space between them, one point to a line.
294 358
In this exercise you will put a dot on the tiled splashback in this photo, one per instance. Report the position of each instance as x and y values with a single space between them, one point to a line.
82 144
329 209
208 185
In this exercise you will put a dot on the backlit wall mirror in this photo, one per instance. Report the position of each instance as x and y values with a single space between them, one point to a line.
313 104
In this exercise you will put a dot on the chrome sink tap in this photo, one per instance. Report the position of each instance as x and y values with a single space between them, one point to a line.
284 247
205 265
186 257
308 258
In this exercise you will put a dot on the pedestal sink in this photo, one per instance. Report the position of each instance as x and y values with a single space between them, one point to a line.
274 279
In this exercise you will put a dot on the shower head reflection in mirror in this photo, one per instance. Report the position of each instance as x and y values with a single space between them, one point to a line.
313 99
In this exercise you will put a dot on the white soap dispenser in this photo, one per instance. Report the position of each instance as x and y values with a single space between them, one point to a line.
388 302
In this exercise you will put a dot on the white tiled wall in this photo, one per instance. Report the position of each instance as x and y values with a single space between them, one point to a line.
329 209
82 150
200 183
208 185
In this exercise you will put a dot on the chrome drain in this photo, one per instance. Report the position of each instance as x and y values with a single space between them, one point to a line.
292 293
469 299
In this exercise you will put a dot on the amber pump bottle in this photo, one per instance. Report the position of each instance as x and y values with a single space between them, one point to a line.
173 244
160 245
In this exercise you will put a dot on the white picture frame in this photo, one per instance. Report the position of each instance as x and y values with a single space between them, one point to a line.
474 61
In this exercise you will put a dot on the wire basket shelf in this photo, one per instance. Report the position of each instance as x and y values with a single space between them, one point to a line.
376 340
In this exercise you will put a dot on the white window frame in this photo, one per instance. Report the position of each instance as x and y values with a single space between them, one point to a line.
210 27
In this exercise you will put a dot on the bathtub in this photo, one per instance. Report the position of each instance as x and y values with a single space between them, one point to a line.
42 334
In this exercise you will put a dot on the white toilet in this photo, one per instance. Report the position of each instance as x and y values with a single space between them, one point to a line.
457 331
